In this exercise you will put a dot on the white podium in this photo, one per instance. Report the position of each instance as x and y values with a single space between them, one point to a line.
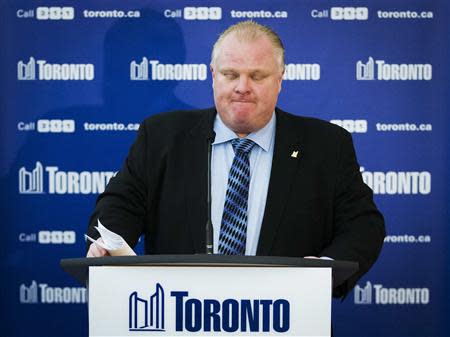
209 295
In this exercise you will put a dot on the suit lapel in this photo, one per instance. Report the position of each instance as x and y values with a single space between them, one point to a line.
194 177
285 164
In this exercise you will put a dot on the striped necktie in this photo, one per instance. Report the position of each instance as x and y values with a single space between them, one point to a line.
233 230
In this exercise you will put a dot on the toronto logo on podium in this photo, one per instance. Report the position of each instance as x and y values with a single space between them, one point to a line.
147 314
191 314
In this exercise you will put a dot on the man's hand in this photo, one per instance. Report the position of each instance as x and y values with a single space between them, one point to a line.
316 257
97 251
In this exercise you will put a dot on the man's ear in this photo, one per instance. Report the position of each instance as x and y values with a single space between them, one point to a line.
213 73
281 80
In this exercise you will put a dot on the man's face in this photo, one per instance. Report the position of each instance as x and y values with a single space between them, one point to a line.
246 82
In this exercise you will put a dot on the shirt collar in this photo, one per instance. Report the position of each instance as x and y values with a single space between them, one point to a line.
262 137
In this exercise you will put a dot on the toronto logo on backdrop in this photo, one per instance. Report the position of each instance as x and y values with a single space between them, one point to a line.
61 182
43 70
146 69
381 295
43 293
380 70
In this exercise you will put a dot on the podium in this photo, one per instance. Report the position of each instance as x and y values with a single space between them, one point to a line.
209 295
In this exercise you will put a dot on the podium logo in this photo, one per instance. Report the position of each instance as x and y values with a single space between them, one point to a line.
378 294
41 70
62 182
31 182
43 293
147 315
380 70
154 70
206 315
363 295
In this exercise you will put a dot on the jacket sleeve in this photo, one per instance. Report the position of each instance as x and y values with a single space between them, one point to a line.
122 206
358 230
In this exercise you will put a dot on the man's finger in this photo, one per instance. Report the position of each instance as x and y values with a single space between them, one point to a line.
96 250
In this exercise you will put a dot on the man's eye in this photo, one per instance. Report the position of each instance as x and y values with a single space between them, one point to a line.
230 76
258 77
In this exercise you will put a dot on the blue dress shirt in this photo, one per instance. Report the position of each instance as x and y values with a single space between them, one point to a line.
260 166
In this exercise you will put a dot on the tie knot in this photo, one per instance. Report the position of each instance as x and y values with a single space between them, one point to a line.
242 145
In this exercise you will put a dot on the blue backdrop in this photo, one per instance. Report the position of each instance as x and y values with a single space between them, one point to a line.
77 77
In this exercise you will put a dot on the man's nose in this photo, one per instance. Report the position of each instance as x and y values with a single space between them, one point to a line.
243 85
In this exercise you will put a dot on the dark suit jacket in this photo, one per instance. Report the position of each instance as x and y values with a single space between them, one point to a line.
317 203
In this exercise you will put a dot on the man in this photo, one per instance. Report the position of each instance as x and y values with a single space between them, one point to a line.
282 185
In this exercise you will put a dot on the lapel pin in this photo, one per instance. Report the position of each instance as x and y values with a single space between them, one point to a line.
294 154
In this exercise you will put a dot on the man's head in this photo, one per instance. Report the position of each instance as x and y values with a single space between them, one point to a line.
247 67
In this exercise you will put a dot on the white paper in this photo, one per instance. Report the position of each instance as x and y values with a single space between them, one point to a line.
112 242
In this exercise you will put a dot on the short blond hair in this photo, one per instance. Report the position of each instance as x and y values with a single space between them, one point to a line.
250 31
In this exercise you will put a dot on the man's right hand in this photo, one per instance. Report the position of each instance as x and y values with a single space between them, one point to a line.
97 251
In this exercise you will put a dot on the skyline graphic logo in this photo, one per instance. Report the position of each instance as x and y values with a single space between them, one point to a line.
139 71
31 182
365 71
26 71
147 315
29 294
363 295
